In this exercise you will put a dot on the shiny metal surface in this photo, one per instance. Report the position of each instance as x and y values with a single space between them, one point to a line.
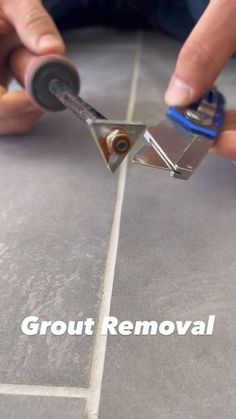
101 131
205 112
173 148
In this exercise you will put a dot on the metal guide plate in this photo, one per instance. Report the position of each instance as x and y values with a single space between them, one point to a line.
100 129
172 147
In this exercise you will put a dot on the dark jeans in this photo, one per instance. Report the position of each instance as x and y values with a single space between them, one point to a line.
174 17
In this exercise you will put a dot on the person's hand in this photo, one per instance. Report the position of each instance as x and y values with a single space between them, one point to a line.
23 22
202 57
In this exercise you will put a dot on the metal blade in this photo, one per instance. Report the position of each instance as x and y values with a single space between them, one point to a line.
178 150
147 156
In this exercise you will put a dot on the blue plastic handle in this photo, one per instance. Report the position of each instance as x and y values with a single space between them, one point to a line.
217 120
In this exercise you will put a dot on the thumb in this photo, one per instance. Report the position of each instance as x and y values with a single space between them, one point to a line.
204 54
33 25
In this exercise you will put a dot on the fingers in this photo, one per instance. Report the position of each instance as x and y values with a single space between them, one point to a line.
17 112
20 124
204 54
15 103
33 25
226 144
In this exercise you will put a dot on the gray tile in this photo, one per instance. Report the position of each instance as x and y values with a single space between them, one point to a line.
57 203
176 261
36 407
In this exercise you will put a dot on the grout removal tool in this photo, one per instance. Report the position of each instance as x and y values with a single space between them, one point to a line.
53 83
182 139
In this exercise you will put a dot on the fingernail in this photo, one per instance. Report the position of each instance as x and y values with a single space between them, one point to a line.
178 93
49 41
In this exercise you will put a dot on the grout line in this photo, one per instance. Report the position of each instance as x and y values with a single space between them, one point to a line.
97 368
135 77
38 390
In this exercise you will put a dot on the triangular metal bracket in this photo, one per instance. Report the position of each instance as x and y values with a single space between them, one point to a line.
102 129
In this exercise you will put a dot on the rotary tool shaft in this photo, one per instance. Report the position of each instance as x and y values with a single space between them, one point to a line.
73 102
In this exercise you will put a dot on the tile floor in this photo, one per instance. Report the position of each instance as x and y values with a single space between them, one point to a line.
76 242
